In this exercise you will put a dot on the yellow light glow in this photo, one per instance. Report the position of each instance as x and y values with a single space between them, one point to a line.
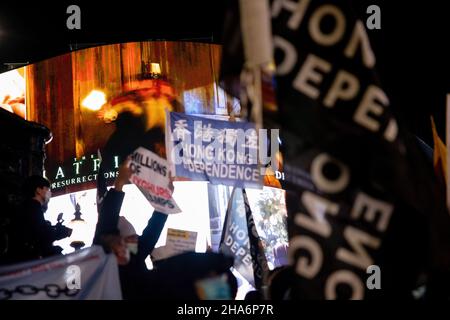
94 100
156 68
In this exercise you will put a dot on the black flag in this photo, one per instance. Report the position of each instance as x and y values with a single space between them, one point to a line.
240 239
361 197
260 266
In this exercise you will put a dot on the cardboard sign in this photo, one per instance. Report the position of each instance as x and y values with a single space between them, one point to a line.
151 176
177 242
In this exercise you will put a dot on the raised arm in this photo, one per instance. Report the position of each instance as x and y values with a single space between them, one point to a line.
151 233
110 209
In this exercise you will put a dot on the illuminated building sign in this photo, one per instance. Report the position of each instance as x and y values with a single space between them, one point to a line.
83 170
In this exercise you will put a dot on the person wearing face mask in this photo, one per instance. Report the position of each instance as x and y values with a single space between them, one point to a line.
129 235
175 277
117 235
33 236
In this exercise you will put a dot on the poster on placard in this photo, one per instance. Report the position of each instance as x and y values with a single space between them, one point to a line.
180 241
221 152
177 242
151 176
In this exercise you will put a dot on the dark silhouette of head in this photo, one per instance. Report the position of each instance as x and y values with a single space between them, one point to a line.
32 183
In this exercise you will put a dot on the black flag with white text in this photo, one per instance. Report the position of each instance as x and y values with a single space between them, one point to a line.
365 218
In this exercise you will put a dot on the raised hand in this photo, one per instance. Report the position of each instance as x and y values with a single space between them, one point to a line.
124 174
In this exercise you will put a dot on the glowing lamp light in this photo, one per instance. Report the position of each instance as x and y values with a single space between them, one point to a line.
155 68
94 100
78 226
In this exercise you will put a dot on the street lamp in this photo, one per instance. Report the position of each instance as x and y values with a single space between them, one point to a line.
78 226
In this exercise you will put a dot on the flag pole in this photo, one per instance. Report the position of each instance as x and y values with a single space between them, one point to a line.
258 50
226 219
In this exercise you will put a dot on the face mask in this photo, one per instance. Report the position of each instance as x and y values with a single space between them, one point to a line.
132 247
126 258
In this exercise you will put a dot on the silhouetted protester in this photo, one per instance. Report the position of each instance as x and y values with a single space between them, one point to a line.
181 274
253 295
233 283
117 235
32 236
280 282
175 277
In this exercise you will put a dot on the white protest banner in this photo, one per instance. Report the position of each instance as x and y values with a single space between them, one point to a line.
87 274
151 176
177 242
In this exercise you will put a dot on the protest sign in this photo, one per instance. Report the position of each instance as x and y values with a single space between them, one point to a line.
151 176
222 152
87 274
177 242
